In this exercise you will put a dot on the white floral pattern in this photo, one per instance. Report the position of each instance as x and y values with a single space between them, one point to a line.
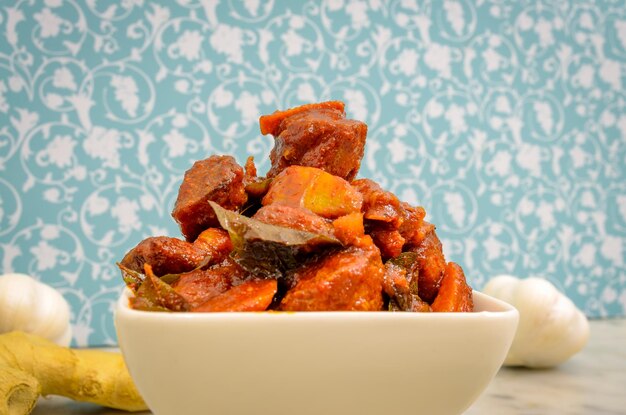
506 119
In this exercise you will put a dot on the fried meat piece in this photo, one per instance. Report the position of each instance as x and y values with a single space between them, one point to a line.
218 179
378 204
200 285
454 294
350 279
388 240
271 123
413 228
165 255
432 264
391 223
316 136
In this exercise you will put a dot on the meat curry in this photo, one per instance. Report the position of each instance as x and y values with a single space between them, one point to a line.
307 236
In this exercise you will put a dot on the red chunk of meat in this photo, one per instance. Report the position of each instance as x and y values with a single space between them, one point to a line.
454 294
316 136
387 239
350 279
165 255
200 285
378 204
391 223
271 124
432 264
219 179
413 228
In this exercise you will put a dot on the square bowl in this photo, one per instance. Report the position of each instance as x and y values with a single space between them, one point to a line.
314 362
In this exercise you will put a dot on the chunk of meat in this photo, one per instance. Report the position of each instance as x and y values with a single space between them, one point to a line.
316 136
454 294
200 285
295 218
215 242
311 188
386 238
218 179
432 264
252 295
413 228
270 124
378 204
350 279
391 223
165 255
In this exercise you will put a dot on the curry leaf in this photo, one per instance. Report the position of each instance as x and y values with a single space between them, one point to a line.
405 296
405 260
408 261
258 187
157 295
268 249
133 279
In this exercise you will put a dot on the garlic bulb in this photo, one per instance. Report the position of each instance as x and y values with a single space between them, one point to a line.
33 307
551 329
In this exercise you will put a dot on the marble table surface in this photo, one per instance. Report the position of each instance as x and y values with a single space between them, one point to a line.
592 382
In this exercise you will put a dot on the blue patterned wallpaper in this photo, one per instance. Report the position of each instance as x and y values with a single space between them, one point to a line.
505 118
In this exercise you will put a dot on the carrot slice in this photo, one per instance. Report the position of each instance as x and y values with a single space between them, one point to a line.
269 123
454 293
349 228
253 295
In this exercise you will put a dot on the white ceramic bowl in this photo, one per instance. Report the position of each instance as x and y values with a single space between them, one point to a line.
316 363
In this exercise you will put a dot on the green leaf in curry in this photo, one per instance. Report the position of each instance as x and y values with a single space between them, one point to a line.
259 187
405 259
401 275
157 295
267 249
133 279
408 262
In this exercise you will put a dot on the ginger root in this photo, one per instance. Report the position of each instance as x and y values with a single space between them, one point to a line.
31 366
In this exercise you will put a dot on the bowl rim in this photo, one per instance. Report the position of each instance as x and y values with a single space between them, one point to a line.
496 309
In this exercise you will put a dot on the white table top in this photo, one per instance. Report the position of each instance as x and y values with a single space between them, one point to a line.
592 382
